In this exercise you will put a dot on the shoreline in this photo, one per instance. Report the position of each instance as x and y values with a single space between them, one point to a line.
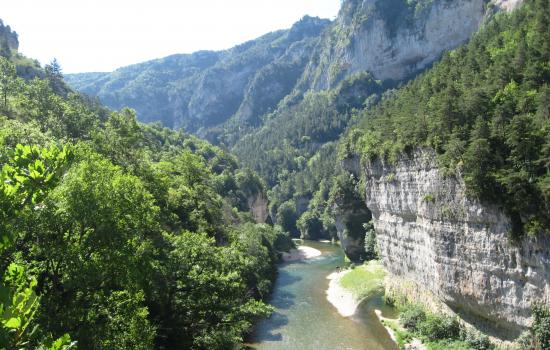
388 328
301 252
343 300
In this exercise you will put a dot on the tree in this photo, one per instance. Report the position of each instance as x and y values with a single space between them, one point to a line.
371 246
286 217
207 301
30 173
95 291
8 81
54 75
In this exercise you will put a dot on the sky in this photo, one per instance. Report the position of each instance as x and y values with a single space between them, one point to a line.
102 35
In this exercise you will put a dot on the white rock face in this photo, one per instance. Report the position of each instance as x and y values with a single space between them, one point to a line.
446 26
258 205
507 5
367 41
454 247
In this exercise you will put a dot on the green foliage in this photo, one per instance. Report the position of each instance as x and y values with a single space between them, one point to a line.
286 217
371 245
8 81
209 291
525 341
402 337
412 317
134 237
18 305
310 225
364 281
541 326
449 345
26 177
477 340
437 327
63 343
441 331
484 110
429 198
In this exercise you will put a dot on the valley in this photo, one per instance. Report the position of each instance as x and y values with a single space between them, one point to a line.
403 148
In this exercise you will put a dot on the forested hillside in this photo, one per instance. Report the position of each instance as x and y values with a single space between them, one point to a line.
205 89
485 109
120 235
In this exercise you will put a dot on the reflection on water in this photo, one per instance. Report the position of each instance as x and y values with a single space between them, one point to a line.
304 319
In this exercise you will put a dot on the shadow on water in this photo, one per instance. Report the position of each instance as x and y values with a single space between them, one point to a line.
286 278
276 321
284 301
281 300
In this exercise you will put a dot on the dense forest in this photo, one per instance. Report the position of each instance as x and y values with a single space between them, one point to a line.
120 235
485 109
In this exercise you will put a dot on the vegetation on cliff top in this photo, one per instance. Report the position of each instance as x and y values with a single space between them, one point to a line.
485 109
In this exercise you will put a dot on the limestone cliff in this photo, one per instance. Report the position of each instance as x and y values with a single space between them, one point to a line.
433 235
258 206
394 39
8 40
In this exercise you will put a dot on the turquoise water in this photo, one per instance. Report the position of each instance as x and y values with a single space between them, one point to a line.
304 319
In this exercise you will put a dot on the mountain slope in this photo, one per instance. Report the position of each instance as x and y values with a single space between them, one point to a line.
276 111
204 89
366 35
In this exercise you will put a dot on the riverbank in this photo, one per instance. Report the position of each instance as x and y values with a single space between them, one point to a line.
301 253
303 319
348 288
343 300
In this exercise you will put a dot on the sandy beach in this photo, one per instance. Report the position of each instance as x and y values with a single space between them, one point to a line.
301 253
343 300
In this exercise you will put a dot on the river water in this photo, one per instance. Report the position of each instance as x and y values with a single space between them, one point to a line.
304 319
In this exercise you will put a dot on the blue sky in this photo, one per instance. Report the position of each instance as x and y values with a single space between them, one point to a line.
102 35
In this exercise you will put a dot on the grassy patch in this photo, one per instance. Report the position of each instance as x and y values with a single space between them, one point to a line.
402 336
365 280
449 345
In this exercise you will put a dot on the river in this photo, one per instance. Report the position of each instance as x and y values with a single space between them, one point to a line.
304 319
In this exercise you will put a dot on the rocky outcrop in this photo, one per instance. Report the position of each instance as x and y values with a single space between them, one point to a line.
393 39
258 205
351 234
454 247
350 214
8 39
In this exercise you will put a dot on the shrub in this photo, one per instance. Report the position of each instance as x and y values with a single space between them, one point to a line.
371 246
541 326
525 341
429 198
439 327
449 345
477 340
411 317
